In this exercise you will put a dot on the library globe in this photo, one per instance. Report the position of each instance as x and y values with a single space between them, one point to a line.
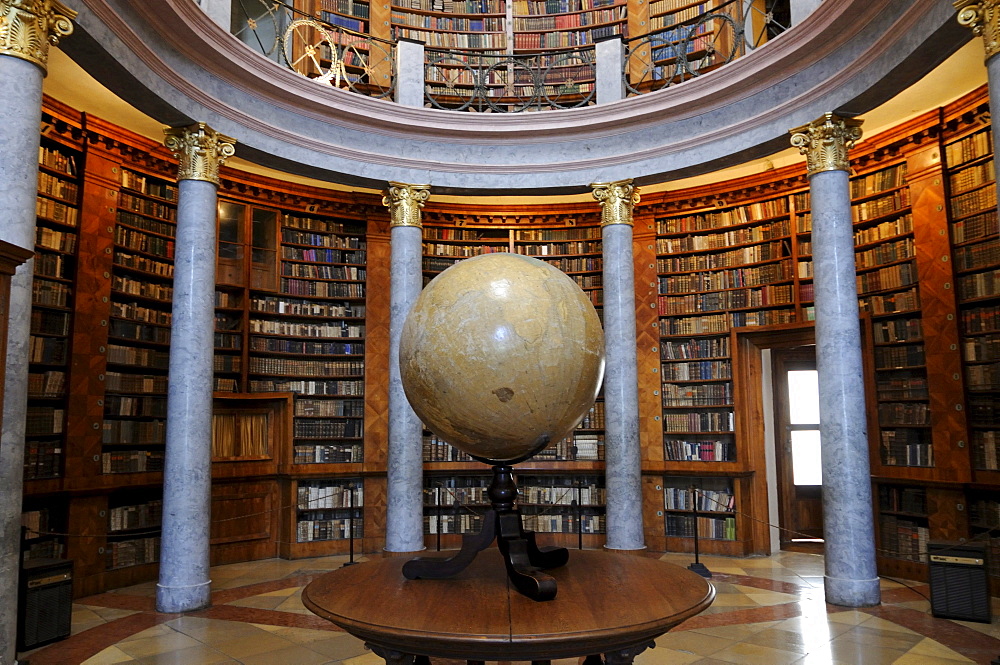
501 355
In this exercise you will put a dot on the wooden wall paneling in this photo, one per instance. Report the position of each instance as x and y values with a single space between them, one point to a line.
377 346
947 513
87 522
653 526
647 339
245 521
374 514
940 320
85 409
752 495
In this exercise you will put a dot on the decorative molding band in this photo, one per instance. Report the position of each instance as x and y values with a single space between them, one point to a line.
200 151
404 202
617 201
28 27
983 17
825 142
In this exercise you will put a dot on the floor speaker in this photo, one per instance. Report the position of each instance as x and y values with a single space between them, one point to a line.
959 580
46 602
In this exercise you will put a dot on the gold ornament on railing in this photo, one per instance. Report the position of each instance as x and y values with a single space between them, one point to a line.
617 201
404 202
983 16
200 151
825 142
28 27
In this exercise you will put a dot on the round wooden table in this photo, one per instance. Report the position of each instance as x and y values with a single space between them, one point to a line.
610 604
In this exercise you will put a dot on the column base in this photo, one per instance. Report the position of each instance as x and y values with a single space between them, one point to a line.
852 593
625 549
175 599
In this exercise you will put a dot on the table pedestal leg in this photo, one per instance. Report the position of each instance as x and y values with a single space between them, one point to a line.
393 657
624 656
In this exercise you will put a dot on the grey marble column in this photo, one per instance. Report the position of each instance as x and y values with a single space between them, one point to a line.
21 70
848 526
610 59
404 522
20 115
409 73
184 583
622 459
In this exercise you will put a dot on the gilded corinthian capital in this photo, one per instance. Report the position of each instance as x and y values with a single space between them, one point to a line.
983 17
404 202
826 141
617 201
28 27
200 151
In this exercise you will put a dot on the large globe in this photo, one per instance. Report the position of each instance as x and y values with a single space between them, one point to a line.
500 355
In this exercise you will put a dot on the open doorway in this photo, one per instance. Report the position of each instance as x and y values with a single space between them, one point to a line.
797 448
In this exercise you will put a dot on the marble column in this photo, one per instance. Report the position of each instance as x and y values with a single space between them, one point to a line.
404 521
610 60
848 527
26 31
623 471
983 17
184 584
409 73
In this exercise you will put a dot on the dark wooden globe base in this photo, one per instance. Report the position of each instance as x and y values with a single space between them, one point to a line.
524 560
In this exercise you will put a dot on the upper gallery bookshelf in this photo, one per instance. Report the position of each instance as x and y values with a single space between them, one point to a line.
56 243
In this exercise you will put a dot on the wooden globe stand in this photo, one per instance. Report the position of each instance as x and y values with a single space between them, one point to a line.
524 560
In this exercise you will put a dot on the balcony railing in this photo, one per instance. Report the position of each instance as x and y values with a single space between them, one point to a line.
333 50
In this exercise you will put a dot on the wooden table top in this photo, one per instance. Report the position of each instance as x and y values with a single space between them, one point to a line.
604 602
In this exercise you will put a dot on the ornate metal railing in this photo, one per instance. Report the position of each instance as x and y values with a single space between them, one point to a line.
509 83
696 44
329 54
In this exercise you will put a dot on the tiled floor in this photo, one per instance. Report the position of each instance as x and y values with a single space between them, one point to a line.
768 611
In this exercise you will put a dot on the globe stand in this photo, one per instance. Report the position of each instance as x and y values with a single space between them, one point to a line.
524 560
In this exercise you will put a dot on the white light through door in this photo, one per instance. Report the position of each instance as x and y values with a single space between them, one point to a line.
803 403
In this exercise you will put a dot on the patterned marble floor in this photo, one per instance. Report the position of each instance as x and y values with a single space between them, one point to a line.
768 611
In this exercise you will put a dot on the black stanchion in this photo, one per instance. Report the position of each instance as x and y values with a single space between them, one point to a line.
697 566
350 526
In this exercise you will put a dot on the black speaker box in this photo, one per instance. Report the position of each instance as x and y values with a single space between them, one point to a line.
46 602
959 579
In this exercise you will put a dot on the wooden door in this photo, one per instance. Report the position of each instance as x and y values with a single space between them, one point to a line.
796 425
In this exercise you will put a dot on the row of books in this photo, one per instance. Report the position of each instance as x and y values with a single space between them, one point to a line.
981 349
712 221
723 300
903 539
330 407
330 240
972 177
51 383
458 493
713 394
889 252
47 350
139 516
121 382
903 499
576 265
52 265
47 322
897 330
986 450
226 363
558 6
127 553
289 366
542 40
682 498
968 148
42 459
483 40
730 278
911 387
577 447
903 413
754 254
130 330
50 185
52 294
351 427
298 287
131 461
980 226
60 241
463 251
56 211
711 528
890 277
338 388
867 210
978 200
703 421
983 377
459 23
145 224
567 523
136 312
584 495
461 523
56 160
438 450
308 531
147 207
879 181
979 285
980 319
568 21
983 255
318 495
351 23
324 255
453 6
42 420
134 431
299 307
905 448
128 405
714 347
149 186
741 236
328 453
699 370
327 226
313 271
331 329
904 301
715 450
147 265
134 287
895 357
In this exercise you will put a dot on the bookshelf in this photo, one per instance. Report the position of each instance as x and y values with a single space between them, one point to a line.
134 427
42 527
52 298
454 504
903 523
975 241
562 504
702 505
325 510
133 528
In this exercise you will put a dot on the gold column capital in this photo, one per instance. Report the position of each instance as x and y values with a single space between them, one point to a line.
983 17
404 202
825 142
617 201
28 27
200 151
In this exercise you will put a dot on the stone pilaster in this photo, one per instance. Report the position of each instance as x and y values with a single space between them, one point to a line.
404 525
851 577
623 471
187 476
27 29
